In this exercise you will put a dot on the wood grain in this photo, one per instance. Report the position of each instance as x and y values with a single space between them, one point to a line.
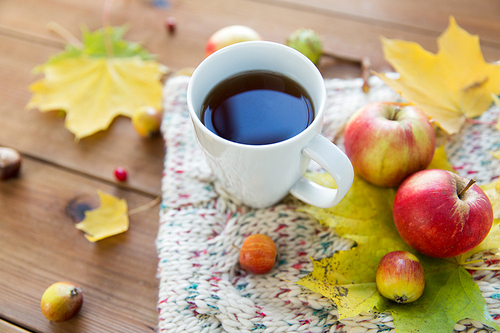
43 135
346 27
60 177
40 246
6 327
428 17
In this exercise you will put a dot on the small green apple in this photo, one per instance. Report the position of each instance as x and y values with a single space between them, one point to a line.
307 42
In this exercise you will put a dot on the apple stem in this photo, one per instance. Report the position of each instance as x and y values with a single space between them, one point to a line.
395 111
106 23
74 292
468 186
365 73
61 31
364 63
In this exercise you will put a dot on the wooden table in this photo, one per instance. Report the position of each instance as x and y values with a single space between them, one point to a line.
39 244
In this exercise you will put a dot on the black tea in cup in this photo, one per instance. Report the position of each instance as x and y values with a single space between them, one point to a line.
257 108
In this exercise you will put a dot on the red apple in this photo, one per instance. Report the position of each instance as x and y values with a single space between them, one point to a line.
386 142
400 277
441 214
230 35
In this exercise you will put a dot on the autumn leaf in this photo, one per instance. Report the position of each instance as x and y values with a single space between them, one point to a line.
109 219
348 277
492 190
102 42
496 100
440 160
93 85
450 86
450 295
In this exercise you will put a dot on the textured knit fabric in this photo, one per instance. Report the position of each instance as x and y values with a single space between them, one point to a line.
202 286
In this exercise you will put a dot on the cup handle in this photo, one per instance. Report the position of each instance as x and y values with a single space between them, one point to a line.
336 163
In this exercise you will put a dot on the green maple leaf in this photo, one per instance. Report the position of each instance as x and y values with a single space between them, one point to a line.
94 45
348 277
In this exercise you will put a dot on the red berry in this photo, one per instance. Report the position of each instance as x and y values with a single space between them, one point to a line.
121 174
258 254
171 24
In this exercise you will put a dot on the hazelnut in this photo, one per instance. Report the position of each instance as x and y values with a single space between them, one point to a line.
10 163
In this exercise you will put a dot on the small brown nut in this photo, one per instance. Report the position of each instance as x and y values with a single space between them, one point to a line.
10 163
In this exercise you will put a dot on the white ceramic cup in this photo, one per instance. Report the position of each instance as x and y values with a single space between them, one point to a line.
261 175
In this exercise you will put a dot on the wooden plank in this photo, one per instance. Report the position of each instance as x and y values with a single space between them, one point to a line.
343 36
346 35
6 327
119 146
44 136
40 246
39 242
427 16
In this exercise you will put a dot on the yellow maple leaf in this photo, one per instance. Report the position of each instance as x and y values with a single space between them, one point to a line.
110 218
450 86
440 160
496 100
492 190
94 90
496 154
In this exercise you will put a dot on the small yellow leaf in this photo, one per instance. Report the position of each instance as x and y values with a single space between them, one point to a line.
496 154
94 90
440 160
450 86
492 190
109 219
497 103
491 242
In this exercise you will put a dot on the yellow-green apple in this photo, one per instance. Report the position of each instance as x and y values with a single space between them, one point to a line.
61 301
147 120
386 142
307 42
441 214
400 277
230 35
